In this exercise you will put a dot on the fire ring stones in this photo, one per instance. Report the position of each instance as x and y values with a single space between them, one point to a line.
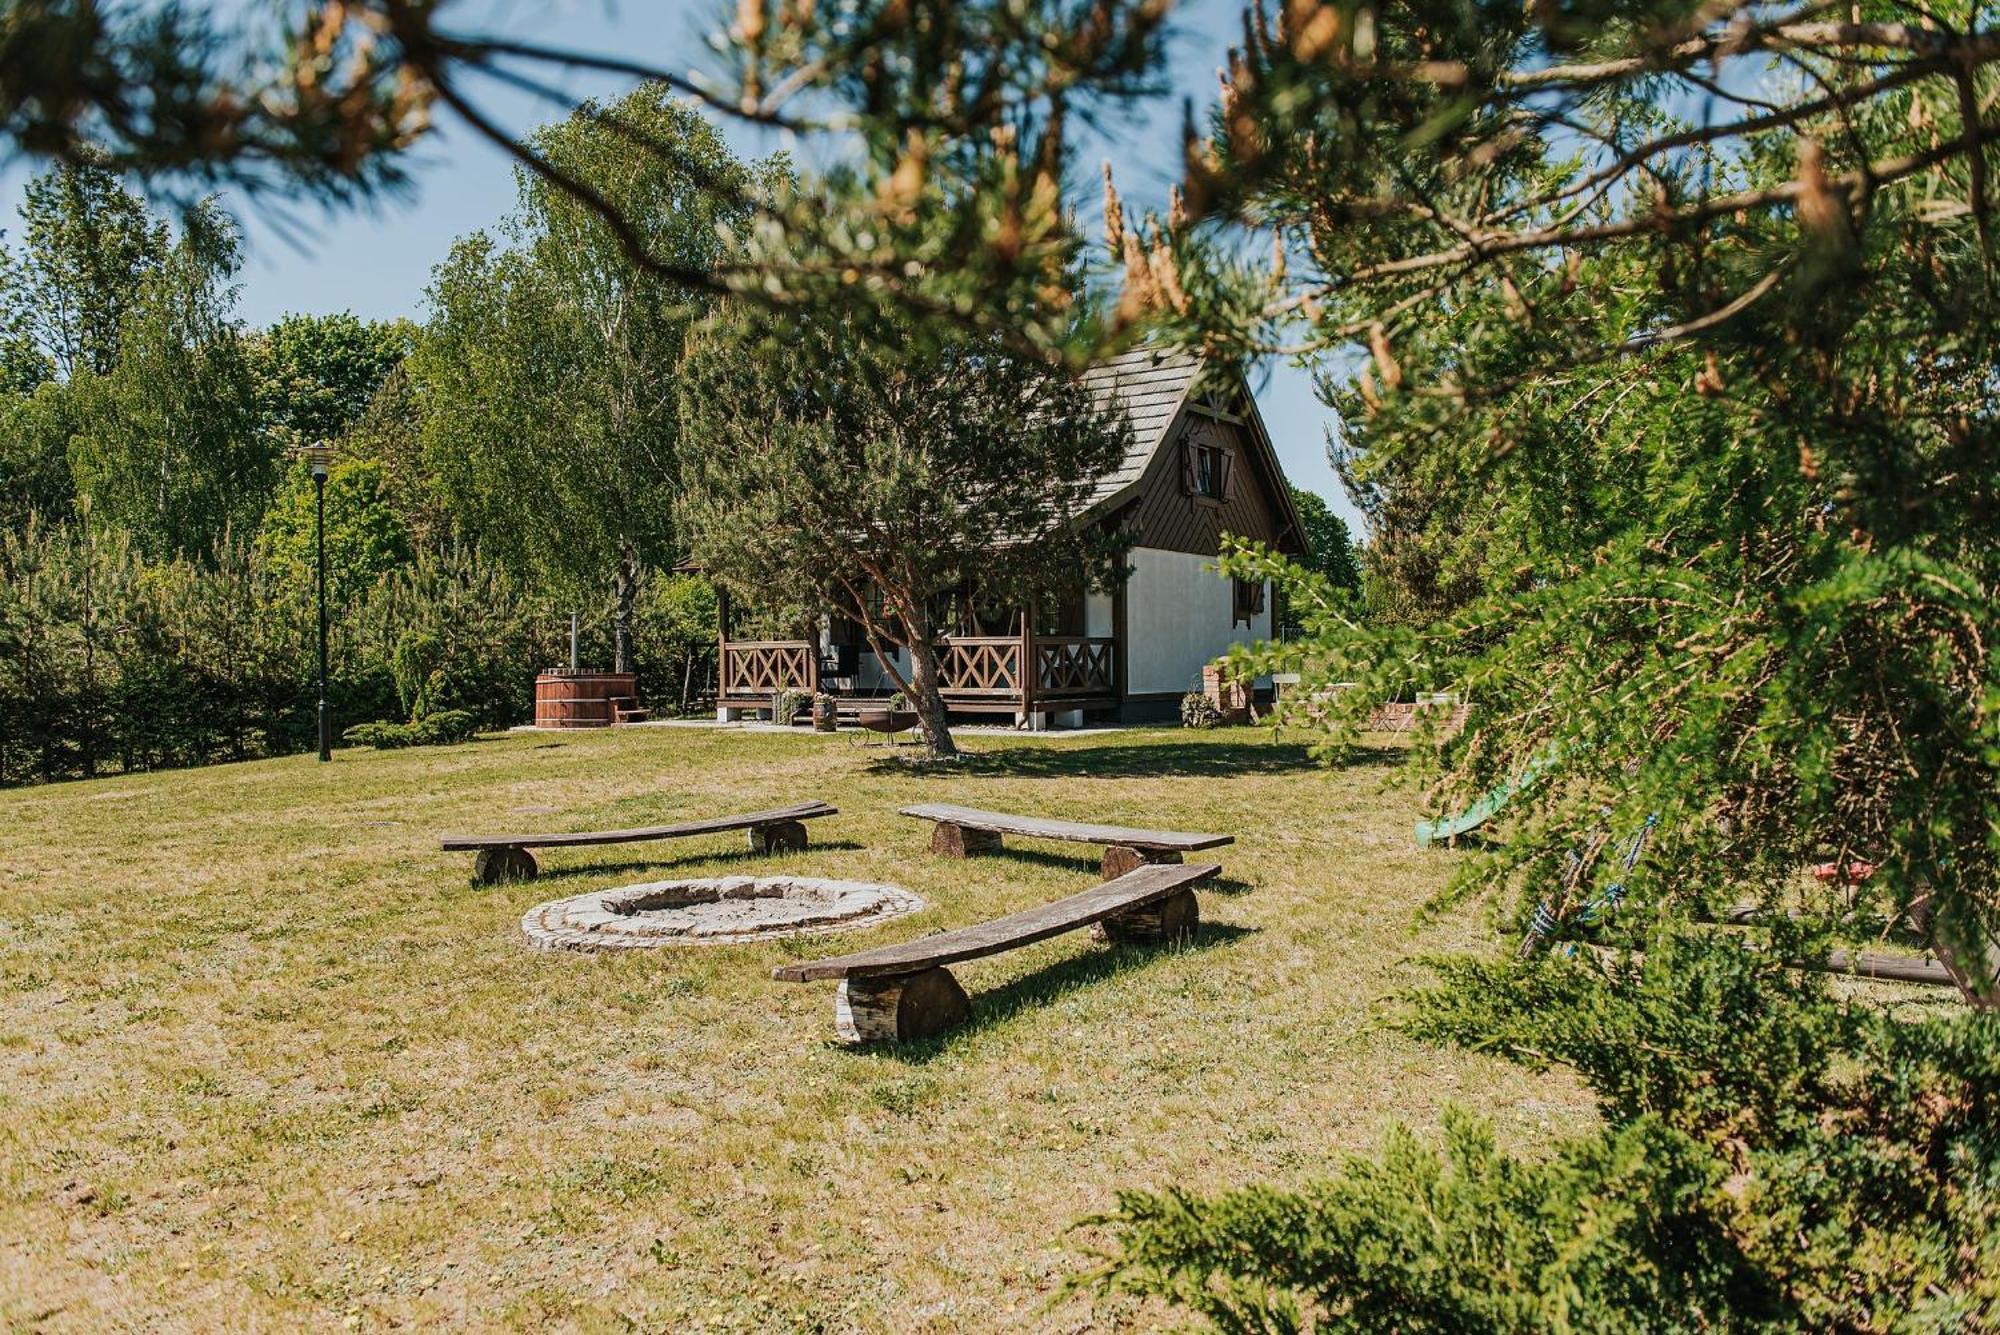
719 911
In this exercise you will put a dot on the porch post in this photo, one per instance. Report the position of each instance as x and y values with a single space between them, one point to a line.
1030 669
721 653
1119 652
812 656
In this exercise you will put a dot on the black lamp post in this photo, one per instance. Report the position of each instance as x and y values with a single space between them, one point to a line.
319 457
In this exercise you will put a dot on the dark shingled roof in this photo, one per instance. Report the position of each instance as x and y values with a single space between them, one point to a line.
1148 386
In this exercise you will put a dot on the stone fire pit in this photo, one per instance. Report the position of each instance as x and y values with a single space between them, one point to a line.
718 911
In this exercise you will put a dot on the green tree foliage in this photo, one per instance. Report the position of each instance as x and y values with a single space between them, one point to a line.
841 470
111 660
90 246
316 374
1774 1158
547 371
365 540
167 444
674 635
35 478
1331 550
457 632
1689 453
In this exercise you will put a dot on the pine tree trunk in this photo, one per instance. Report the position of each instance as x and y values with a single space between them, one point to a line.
927 698
627 589
1974 964
926 678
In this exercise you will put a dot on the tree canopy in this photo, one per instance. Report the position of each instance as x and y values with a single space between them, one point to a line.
547 371
841 469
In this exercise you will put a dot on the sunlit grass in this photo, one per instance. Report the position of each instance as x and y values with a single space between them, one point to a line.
267 1058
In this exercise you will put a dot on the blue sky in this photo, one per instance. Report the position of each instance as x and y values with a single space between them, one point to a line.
377 262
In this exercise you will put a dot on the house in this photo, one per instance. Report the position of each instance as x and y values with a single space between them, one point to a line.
1200 464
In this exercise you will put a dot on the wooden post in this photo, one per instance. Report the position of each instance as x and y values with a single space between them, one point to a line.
494 865
1119 651
721 645
785 836
1030 669
955 841
1164 919
898 1009
1119 859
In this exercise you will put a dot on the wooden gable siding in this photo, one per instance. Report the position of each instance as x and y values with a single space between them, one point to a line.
1166 517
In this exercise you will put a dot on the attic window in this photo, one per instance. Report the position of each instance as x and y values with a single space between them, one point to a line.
1206 469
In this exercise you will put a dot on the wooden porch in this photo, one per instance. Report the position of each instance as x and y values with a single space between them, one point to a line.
983 674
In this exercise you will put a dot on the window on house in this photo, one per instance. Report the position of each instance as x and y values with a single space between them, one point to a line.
1206 473
1247 600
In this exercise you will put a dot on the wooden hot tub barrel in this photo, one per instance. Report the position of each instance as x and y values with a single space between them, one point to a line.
581 699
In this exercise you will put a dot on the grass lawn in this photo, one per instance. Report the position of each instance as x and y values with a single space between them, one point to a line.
269 1060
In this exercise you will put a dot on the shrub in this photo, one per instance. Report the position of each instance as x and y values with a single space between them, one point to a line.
445 728
1774 1157
1198 711
786 704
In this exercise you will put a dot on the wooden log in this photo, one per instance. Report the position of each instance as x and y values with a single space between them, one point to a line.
1896 968
956 841
1119 859
900 1008
1165 919
786 836
494 865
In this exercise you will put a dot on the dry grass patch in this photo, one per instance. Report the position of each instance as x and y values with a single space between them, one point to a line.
268 1059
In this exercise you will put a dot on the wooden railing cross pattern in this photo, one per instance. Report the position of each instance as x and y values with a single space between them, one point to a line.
763 667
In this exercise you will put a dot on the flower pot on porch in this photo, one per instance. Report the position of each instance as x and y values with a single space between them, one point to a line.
826 713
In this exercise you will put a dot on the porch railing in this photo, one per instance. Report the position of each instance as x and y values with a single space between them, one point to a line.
765 667
1068 665
985 667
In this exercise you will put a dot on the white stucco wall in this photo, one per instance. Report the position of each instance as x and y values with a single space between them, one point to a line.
1177 613
1097 614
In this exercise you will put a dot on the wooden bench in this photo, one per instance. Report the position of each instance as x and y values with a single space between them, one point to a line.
904 992
962 831
506 857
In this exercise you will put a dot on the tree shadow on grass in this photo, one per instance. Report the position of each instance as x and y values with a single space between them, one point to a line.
1036 991
730 858
1194 758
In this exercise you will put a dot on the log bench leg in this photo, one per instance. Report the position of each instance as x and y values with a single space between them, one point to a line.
955 841
494 865
900 1008
1119 859
784 836
1164 919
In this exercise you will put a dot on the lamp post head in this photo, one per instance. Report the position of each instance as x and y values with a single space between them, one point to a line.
318 458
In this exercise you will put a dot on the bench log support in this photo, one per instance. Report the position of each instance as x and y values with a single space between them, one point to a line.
787 836
494 865
1119 859
1163 920
899 1008
957 841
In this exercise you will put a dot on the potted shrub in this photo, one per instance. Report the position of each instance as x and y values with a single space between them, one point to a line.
826 713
